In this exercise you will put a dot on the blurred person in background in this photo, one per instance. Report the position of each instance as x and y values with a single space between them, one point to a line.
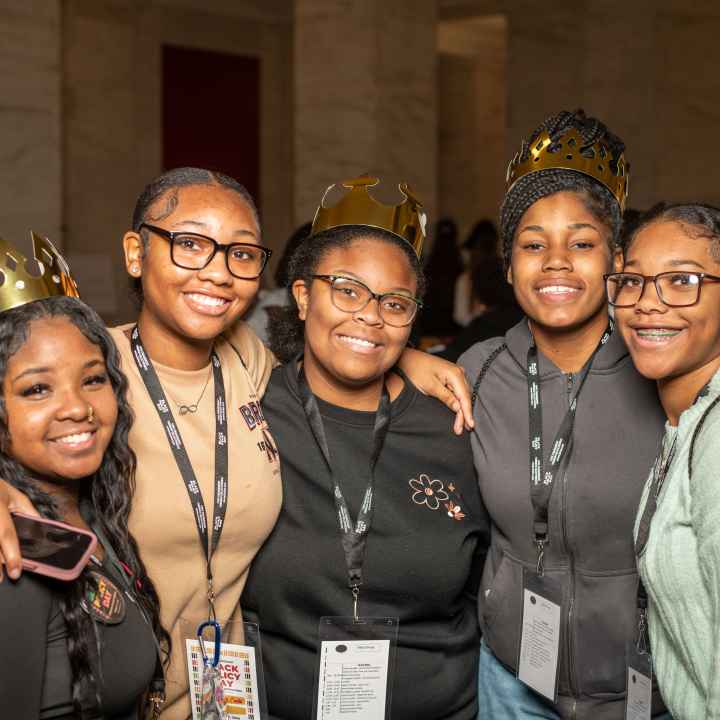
481 249
494 305
270 301
442 270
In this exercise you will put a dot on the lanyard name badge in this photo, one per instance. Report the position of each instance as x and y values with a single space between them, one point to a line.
210 675
356 653
638 701
542 599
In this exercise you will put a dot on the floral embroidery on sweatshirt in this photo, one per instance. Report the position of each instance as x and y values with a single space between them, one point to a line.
428 492
433 493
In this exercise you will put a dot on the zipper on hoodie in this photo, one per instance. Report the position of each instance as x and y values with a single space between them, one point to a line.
570 385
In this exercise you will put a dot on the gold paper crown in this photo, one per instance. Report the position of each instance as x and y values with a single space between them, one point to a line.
595 160
358 207
20 281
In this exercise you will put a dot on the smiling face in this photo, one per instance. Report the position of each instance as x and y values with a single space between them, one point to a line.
50 385
559 255
194 305
352 350
667 342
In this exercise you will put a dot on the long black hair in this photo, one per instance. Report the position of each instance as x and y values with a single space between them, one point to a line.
108 492
535 186
287 330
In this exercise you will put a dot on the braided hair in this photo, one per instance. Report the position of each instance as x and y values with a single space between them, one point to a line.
537 185
286 329
108 492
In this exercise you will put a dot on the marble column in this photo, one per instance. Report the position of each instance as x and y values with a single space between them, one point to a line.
365 83
30 110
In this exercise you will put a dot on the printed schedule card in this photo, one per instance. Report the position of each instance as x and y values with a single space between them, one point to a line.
239 677
353 679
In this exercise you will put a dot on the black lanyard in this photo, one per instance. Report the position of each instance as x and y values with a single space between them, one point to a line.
157 395
661 467
542 476
354 538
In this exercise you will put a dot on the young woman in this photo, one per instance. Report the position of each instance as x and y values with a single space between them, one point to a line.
64 443
558 460
356 292
666 304
195 257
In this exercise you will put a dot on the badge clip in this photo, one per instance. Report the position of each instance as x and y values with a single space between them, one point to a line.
212 696
216 643
356 595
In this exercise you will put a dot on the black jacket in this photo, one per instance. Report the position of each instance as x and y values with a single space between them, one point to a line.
592 509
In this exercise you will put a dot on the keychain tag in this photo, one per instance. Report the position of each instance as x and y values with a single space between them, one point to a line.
540 638
355 668
638 703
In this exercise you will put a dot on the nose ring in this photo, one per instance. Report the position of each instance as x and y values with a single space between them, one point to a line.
91 414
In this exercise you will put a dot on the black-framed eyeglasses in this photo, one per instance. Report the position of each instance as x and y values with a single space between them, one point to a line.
191 251
677 288
351 296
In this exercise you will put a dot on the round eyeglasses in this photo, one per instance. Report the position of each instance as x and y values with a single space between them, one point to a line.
351 296
674 289
245 261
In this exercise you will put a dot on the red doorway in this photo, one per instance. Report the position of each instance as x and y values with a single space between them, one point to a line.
211 113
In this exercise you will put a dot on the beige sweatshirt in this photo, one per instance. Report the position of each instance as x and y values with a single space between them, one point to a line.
162 519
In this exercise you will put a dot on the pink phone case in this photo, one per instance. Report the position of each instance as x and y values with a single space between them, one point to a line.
51 570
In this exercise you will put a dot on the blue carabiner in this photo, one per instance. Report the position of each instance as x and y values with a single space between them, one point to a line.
217 639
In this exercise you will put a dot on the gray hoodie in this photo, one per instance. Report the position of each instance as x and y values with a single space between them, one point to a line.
618 427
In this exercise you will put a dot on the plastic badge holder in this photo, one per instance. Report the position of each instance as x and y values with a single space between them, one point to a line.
239 670
638 700
544 609
355 669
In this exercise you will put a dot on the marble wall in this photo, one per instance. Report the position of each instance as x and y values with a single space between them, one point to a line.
112 118
30 120
347 86
471 80
648 68
364 96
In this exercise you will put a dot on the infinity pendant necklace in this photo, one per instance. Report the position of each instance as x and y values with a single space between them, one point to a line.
185 409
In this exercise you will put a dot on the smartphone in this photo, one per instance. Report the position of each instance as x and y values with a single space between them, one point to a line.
53 548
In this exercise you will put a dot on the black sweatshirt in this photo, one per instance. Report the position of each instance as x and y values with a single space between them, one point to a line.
419 558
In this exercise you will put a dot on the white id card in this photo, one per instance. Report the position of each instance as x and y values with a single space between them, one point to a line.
638 704
356 660
540 639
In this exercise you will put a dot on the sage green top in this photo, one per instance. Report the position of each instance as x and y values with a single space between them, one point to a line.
681 567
